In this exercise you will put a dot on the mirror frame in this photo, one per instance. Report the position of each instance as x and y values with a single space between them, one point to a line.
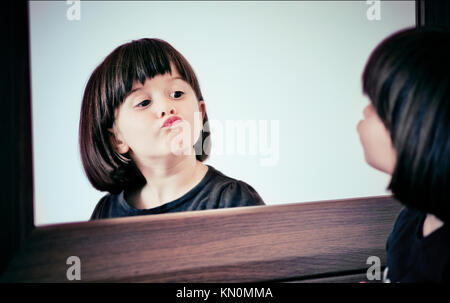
328 241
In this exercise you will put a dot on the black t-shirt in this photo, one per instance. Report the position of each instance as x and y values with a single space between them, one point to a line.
413 258
215 190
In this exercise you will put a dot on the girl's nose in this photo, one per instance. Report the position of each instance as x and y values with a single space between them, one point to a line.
169 109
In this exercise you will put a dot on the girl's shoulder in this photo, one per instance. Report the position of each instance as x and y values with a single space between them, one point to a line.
231 192
103 207
407 217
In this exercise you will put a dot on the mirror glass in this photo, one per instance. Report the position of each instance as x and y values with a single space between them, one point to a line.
281 83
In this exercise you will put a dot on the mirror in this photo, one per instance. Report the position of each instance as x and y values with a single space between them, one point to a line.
281 83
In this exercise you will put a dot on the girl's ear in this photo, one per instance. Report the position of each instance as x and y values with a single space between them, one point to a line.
202 108
117 141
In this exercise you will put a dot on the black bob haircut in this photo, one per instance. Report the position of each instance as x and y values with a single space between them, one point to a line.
105 92
407 79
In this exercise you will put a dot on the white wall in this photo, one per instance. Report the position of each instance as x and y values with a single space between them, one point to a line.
298 63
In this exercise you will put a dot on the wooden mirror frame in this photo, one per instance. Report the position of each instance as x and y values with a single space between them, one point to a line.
326 241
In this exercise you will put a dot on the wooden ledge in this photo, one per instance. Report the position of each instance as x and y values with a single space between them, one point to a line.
260 243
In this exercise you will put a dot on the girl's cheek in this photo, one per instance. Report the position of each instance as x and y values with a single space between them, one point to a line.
377 145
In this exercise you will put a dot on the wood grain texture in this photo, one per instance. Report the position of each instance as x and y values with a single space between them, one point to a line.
259 243
340 278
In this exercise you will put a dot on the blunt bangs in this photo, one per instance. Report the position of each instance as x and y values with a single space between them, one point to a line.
138 60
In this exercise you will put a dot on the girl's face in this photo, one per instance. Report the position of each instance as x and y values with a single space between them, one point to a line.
376 141
141 122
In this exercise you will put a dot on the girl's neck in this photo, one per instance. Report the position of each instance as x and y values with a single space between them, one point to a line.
431 224
167 181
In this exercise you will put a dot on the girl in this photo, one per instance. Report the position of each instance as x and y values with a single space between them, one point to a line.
406 133
142 111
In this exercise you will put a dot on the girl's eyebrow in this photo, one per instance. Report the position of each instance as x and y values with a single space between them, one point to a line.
177 78
131 92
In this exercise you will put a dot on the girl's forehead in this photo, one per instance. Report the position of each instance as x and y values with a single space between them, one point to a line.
158 79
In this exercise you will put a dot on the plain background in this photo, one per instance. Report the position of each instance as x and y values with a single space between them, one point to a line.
299 63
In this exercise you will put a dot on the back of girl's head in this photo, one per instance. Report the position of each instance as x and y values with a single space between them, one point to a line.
407 79
104 93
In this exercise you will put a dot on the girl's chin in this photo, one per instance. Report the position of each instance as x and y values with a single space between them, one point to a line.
174 146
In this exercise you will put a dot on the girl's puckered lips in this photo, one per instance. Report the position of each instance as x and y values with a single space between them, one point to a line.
170 121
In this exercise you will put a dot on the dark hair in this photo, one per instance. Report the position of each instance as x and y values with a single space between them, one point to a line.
105 92
407 79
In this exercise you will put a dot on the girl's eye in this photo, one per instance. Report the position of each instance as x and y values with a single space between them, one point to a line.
177 94
144 103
